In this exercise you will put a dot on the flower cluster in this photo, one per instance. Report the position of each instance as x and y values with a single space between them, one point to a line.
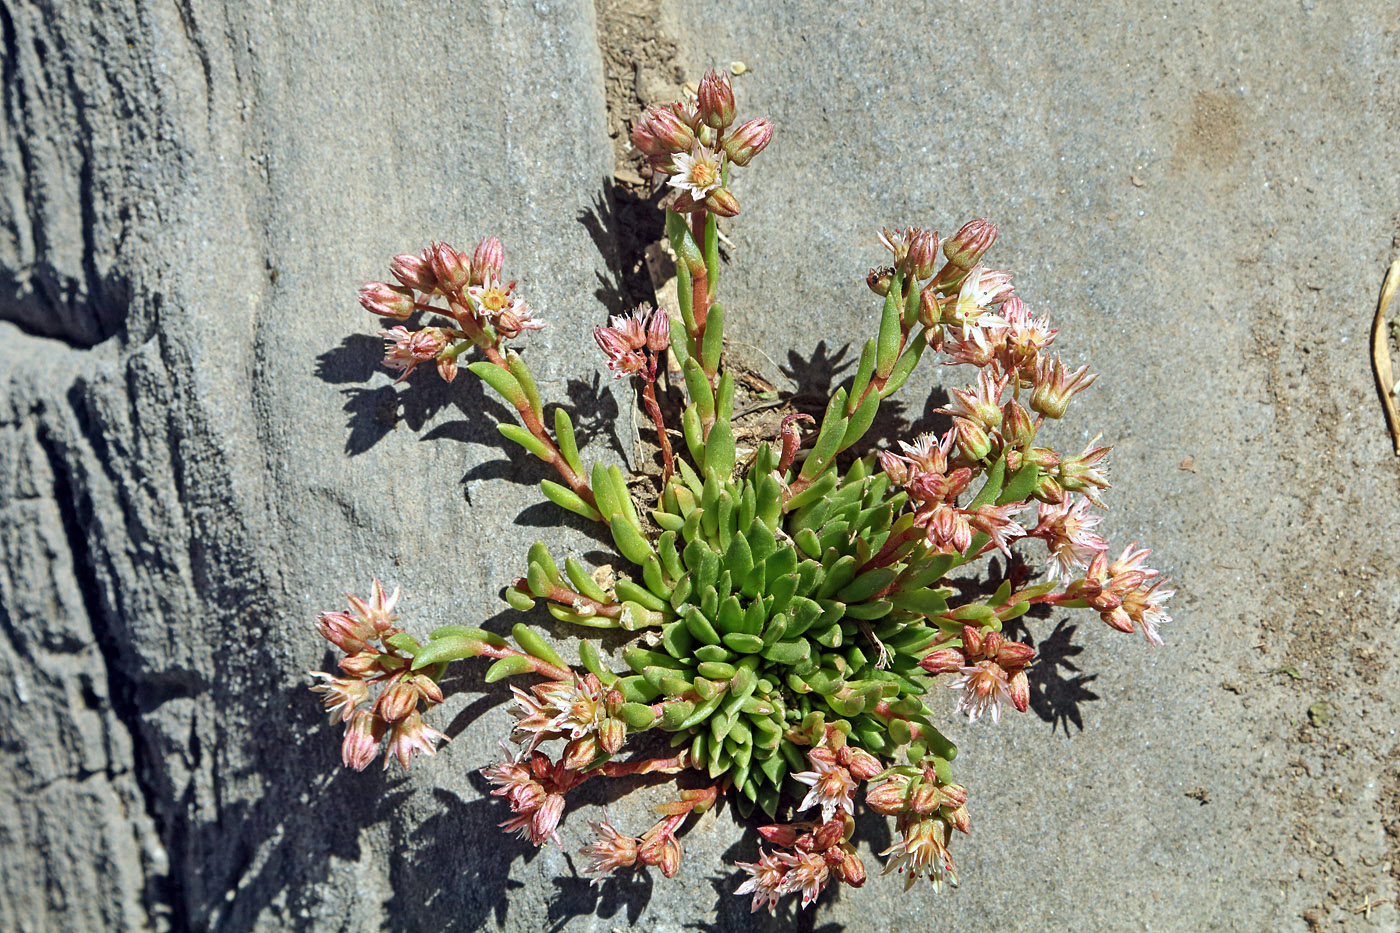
692 141
378 676
785 618
480 309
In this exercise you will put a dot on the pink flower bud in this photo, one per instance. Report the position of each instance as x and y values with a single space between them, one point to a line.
968 245
362 664
396 702
862 765
580 752
960 820
1020 691
926 799
827 835
923 253
611 735
779 835
345 632
792 440
747 141
387 300
658 331
944 661
447 368
1048 490
427 687
722 203
414 272
1014 654
1055 386
361 743
715 99
660 133
452 273
1017 428
972 640
889 798
487 260
546 819
954 795
613 701
851 869
973 442
670 861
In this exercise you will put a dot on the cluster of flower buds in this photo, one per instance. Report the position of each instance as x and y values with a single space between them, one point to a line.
923 471
634 343
610 850
371 664
925 808
991 672
695 141
481 309
817 852
1119 591
581 712
534 787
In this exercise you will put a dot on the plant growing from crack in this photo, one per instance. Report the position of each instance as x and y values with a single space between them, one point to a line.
790 614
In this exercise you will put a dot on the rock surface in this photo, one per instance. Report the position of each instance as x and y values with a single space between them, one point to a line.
198 450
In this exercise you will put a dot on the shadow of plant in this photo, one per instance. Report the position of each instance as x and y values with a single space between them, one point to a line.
1058 687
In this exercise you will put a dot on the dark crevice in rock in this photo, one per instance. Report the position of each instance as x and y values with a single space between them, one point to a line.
163 894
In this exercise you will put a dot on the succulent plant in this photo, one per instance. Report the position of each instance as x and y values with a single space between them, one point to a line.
787 601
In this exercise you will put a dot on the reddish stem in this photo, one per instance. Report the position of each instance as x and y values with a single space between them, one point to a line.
654 409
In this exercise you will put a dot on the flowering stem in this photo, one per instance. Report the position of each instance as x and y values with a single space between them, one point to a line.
533 424
654 409
671 765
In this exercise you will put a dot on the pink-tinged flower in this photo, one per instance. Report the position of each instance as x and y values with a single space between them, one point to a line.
558 710
414 271
995 522
1055 386
632 341
1025 337
1132 560
947 528
348 634
807 872
715 98
1144 607
660 847
539 825
515 319
968 245
944 661
862 765
608 851
410 735
387 300
515 782
487 259
831 787
891 796
928 453
697 172
1064 528
361 742
661 133
983 687
978 344
405 349
492 297
980 292
898 241
921 850
979 403
747 140
766 881
973 440
341 695
377 612
397 701
1086 473
451 268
